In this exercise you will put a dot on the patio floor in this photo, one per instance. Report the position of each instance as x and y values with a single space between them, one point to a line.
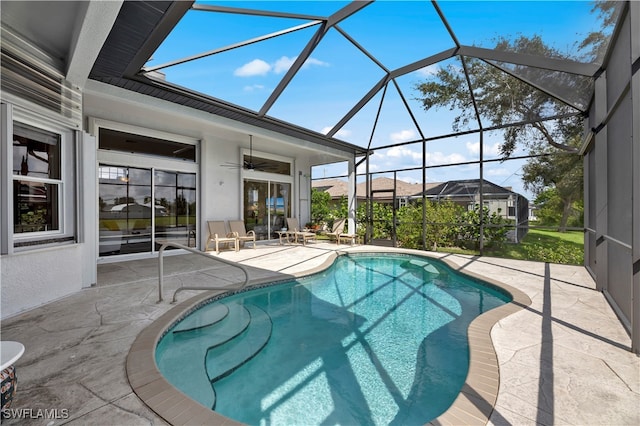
564 359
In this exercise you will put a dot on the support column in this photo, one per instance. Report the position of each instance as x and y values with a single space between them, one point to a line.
601 202
351 197
634 12
6 179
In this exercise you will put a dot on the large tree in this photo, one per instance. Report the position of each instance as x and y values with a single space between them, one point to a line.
501 99
596 42
560 175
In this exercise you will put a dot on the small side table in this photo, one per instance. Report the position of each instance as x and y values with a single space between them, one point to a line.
284 236
10 352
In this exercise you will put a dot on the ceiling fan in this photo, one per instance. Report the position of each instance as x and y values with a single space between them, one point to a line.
249 164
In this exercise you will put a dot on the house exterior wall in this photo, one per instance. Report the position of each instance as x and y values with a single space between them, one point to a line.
220 142
38 267
33 275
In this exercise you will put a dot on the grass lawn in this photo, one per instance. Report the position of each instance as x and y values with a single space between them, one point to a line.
545 246
539 245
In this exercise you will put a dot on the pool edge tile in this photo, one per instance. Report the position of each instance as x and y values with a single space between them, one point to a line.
484 371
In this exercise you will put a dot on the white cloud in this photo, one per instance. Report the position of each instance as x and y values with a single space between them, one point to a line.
313 61
403 152
410 179
255 67
283 64
342 133
253 88
400 157
429 71
363 168
492 150
403 136
437 157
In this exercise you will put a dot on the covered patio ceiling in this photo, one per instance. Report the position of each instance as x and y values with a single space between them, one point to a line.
344 74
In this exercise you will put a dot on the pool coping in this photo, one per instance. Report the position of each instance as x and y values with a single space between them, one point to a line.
473 405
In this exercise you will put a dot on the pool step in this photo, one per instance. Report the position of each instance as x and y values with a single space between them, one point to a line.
233 325
421 267
209 315
224 359
180 356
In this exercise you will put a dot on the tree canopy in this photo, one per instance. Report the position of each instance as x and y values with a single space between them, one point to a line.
501 99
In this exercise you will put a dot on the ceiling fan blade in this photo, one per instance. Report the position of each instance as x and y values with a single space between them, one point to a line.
248 165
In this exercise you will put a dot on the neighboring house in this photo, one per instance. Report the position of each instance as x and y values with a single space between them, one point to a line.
382 190
336 188
507 203
503 201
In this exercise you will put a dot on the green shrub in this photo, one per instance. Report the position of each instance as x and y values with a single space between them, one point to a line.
558 253
494 234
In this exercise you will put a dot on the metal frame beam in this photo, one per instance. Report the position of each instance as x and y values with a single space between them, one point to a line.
563 65
168 22
231 46
254 12
340 15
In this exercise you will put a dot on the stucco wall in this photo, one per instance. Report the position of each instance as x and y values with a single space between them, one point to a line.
221 142
32 278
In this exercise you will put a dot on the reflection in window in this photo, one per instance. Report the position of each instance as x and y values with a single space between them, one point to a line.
125 210
36 179
266 207
175 208
36 207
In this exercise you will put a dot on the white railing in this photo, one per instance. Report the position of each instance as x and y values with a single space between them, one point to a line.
196 251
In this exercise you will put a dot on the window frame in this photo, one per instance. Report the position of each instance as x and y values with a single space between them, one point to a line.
66 184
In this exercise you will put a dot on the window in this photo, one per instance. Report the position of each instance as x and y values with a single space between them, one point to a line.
267 165
37 180
38 196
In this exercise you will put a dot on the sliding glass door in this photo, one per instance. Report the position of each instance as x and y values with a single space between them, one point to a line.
142 208
267 204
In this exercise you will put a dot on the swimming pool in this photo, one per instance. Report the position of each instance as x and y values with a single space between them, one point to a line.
372 340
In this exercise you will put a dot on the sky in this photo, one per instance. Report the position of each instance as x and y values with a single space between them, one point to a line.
337 74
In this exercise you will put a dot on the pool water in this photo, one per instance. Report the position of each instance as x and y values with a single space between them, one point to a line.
375 339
